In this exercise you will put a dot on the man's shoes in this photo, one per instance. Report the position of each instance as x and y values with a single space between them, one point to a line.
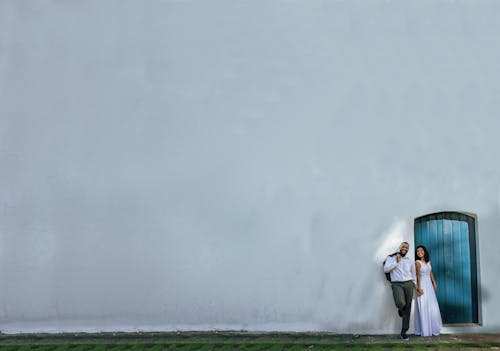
404 336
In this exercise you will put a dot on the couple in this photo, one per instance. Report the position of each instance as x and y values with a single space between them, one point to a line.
405 276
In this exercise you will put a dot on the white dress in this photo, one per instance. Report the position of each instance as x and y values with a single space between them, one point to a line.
427 315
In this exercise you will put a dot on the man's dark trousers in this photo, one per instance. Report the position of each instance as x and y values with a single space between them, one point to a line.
403 295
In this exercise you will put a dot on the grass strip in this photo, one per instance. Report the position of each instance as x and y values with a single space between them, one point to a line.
190 347
207 347
114 347
8 347
330 347
161 347
249 346
294 347
254 347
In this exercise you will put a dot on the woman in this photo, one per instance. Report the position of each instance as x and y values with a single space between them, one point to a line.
427 315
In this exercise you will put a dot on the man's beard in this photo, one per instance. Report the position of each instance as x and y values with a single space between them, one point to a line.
403 254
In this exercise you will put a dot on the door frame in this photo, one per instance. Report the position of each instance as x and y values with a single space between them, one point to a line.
475 240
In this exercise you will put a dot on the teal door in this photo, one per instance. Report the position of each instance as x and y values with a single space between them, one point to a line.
450 238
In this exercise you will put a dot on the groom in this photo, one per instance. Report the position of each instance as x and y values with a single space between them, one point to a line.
403 282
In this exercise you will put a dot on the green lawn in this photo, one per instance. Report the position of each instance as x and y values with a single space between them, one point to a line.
244 341
404 346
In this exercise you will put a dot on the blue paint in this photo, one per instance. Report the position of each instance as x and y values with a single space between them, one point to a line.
450 239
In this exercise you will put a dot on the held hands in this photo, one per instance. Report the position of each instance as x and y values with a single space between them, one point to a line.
398 257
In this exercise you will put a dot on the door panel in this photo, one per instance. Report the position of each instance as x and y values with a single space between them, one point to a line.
450 239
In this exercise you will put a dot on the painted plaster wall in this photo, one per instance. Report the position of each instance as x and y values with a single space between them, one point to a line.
201 165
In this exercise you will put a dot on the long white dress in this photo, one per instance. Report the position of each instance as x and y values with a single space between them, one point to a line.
427 315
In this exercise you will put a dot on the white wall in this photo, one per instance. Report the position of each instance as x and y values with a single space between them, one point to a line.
203 165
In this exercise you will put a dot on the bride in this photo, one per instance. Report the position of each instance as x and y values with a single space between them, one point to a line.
427 315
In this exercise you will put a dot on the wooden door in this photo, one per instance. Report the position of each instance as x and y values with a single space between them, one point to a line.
450 238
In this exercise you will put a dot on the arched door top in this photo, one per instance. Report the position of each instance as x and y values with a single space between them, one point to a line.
452 215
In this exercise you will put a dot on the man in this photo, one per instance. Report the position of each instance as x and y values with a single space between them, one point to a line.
403 282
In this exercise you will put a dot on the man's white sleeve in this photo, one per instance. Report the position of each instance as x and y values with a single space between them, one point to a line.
414 275
390 264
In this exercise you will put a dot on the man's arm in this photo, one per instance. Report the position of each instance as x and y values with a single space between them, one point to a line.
390 263
414 275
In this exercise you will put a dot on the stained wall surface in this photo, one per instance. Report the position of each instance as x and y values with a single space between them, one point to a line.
241 165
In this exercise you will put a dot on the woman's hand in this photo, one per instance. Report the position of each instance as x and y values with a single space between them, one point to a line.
420 292
435 286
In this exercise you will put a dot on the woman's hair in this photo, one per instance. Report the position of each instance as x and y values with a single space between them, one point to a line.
427 257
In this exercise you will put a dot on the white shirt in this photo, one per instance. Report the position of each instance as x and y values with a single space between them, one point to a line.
402 271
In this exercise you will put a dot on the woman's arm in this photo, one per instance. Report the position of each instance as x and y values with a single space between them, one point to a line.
434 282
417 268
